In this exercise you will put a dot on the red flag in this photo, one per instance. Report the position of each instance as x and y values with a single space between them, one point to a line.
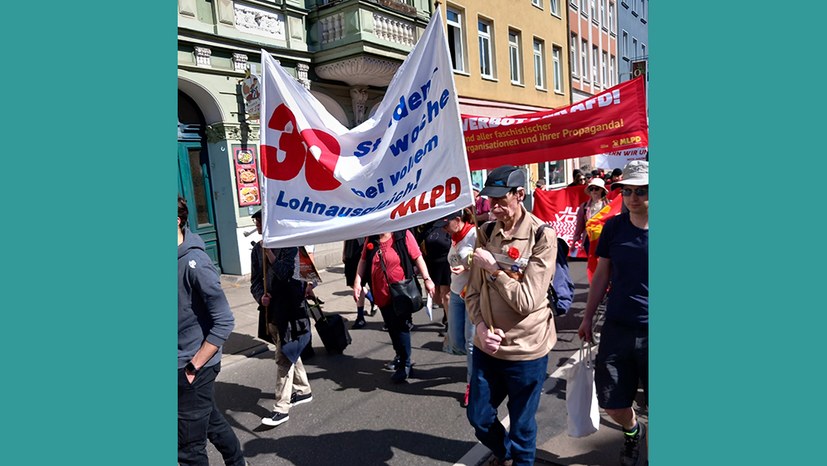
558 208
594 226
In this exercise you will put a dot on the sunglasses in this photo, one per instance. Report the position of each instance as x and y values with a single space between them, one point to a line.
639 191
595 189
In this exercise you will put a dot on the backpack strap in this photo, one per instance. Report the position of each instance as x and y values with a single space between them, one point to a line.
400 243
488 228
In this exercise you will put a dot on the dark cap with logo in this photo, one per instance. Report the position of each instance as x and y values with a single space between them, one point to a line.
502 179
444 220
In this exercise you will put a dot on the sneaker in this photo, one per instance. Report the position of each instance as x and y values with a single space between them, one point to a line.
467 395
384 327
494 461
277 419
402 373
297 399
391 366
630 455
360 323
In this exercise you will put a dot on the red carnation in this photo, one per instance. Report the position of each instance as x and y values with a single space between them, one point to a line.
513 253
369 246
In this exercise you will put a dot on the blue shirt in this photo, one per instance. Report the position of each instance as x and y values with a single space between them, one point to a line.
627 246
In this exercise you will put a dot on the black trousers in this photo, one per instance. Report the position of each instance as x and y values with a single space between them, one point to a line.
199 420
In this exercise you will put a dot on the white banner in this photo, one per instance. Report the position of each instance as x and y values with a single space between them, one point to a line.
403 167
619 159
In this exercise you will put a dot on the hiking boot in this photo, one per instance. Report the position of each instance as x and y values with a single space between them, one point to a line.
402 373
630 455
297 399
467 395
359 323
276 419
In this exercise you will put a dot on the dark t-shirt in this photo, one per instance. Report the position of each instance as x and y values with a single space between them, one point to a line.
437 243
627 246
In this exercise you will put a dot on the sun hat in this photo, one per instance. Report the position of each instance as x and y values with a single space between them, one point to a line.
599 183
502 179
635 173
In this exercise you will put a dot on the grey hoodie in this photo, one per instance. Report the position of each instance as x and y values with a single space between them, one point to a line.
203 310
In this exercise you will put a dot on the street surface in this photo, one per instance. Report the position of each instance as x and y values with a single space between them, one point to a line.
358 417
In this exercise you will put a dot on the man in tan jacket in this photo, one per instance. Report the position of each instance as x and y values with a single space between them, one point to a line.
514 328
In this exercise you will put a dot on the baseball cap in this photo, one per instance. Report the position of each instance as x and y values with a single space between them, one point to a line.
502 179
444 220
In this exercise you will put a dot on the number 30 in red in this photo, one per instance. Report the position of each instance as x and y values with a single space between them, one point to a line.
301 149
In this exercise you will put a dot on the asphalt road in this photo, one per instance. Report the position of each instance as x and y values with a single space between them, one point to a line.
357 416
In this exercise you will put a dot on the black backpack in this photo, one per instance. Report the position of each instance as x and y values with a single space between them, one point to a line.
560 291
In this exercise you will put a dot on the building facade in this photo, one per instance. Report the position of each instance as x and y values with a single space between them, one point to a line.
345 52
592 50
633 24
509 57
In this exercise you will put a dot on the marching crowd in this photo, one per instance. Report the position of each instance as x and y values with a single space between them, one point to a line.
488 267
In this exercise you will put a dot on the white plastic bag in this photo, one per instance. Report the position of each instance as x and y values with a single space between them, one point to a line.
581 398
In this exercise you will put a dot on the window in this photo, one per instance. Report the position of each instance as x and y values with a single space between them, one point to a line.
553 172
643 10
612 17
612 75
573 57
604 76
554 7
514 56
642 50
583 6
537 3
557 68
591 10
456 39
624 45
595 59
603 13
539 65
486 53
584 59
634 47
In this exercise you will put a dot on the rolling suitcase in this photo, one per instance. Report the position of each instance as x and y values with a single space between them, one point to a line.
332 328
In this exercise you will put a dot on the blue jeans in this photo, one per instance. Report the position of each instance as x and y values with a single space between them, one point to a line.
199 419
399 329
492 380
460 330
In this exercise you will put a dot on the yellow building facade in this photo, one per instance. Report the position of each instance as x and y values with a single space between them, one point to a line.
510 57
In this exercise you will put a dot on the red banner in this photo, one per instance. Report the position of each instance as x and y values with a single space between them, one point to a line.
558 208
611 121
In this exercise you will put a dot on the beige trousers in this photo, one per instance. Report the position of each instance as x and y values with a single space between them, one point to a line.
289 377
